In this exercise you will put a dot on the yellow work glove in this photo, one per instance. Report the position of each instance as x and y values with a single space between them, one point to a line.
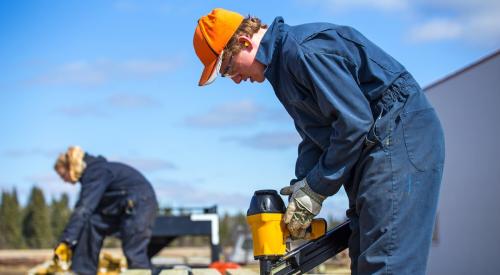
62 255
304 204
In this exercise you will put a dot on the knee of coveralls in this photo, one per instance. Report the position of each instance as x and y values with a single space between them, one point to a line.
136 230
86 252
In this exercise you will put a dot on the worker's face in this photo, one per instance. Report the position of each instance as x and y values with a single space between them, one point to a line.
243 66
64 174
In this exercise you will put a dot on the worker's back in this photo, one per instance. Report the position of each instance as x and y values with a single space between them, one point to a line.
124 182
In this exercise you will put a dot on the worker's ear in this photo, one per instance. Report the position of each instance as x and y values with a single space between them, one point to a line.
246 42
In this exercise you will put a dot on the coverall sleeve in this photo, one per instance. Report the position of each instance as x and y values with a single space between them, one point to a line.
308 155
93 187
332 82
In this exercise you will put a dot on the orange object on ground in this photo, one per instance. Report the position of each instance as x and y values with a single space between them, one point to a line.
222 266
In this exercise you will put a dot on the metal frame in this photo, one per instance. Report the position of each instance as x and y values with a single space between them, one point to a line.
309 255
169 227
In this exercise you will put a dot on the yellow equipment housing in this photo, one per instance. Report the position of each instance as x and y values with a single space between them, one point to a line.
269 233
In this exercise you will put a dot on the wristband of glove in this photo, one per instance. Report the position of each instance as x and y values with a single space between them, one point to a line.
303 195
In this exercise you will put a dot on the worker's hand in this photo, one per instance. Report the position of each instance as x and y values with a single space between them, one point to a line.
63 253
304 204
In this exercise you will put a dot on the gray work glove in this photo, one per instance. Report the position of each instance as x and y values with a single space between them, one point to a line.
304 204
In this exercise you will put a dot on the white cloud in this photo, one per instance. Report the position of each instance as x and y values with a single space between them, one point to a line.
101 109
473 21
181 193
99 72
239 113
460 5
436 30
78 72
279 116
146 67
132 101
476 22
484 28
147 7
266 141
126 6
20 153
81 111
337 6
147 164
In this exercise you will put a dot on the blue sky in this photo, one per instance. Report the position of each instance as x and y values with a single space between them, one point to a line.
119 78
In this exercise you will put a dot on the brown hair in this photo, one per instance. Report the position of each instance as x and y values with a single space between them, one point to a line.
248 27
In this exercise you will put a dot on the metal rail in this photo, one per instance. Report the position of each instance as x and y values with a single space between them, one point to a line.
309 255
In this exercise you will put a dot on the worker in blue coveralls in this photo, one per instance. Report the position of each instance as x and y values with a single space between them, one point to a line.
114 199
365 125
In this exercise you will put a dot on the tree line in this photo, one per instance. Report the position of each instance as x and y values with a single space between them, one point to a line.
39 224
36 225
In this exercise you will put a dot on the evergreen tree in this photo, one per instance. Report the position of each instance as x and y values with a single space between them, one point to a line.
36 223
17 235
3 241
10 225
225 230
229 227
60 213
241 219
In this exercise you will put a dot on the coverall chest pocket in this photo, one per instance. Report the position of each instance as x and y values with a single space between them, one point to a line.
424 139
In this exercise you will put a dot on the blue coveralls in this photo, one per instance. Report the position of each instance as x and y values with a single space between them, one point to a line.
114 199
365 125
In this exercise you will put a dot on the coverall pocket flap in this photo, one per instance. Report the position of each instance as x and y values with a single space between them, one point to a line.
424 140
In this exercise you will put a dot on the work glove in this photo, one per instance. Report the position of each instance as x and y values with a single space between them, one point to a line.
303 205
62 255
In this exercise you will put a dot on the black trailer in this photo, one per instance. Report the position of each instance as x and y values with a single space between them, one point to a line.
179 222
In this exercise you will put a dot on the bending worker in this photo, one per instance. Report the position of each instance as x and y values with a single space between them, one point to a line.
114 198
365 125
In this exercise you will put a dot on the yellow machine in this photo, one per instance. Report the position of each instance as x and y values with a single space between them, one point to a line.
269 233
270 236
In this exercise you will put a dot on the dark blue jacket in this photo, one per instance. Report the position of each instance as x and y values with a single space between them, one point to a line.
326 76
105 190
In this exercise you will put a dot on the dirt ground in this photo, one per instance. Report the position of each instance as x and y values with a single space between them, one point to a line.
14 262
17 262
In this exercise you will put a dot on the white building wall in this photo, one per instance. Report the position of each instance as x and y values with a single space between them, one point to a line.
468 236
